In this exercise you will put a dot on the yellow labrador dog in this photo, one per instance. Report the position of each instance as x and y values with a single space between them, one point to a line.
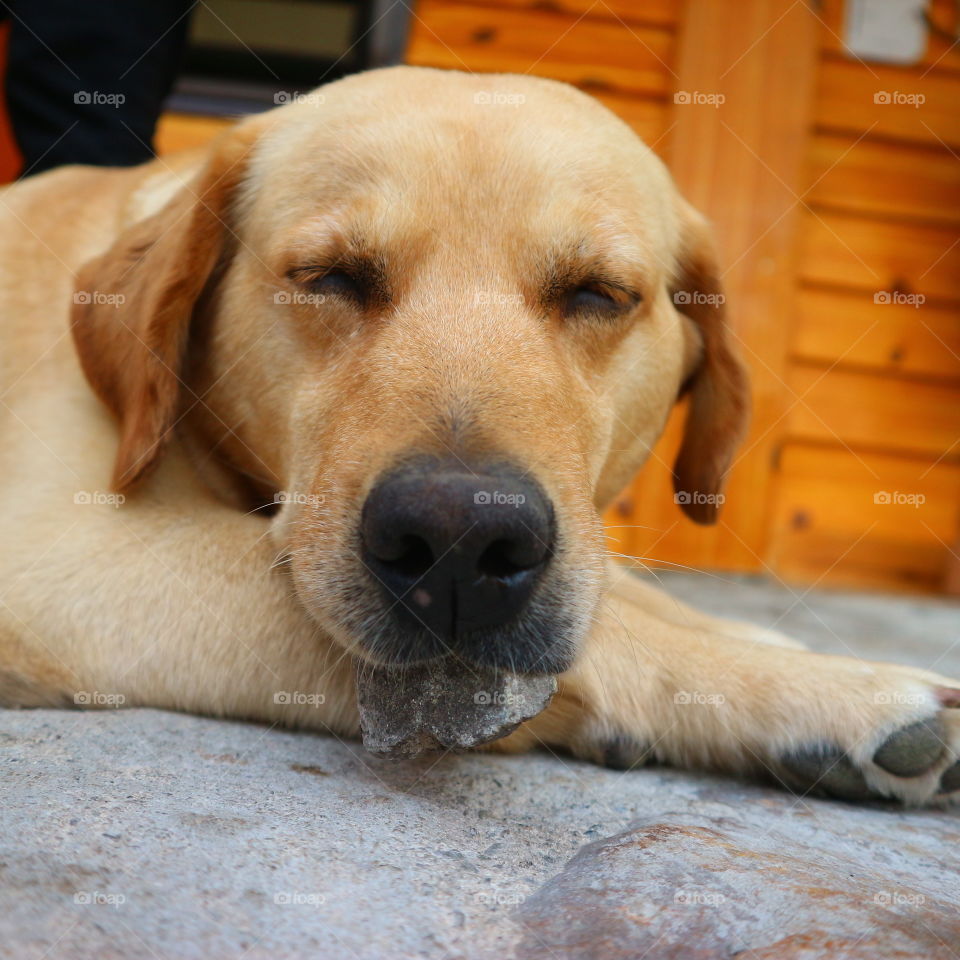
364 371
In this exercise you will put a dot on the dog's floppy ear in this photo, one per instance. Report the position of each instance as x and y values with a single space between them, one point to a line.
719 392
133 304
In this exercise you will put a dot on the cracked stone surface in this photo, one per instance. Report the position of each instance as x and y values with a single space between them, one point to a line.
144 834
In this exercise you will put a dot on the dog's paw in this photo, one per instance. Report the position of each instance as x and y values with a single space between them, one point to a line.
917 762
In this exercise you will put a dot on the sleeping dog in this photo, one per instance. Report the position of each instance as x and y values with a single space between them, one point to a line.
353 384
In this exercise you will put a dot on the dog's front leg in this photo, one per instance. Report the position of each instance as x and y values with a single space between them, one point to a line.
657 682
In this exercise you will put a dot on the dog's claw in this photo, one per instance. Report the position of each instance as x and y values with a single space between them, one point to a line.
913 750
948 696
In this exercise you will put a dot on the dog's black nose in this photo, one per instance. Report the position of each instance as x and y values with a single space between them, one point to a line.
455 550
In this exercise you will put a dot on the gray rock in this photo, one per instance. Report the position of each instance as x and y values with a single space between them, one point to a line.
449 705
708 888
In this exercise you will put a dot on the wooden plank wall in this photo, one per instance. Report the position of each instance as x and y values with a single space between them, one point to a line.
869 467
621 51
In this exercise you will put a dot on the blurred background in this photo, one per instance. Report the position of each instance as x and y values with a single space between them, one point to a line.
821 137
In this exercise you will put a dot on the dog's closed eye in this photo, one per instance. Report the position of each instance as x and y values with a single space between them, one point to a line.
338 283
598 298
357 280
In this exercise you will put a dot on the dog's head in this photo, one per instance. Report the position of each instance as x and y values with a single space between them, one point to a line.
439 328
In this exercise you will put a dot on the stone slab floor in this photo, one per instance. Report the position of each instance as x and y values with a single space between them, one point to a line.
143 834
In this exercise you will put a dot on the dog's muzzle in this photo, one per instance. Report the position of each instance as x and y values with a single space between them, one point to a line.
457 552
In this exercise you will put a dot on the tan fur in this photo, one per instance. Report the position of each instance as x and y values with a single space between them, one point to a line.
229 384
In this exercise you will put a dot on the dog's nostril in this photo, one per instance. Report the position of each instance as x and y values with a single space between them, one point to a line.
413 558
500 560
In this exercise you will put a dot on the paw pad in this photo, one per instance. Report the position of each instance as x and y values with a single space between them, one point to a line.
913 750
827 770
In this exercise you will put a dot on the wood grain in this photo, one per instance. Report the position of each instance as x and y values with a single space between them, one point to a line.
742 163
864 519
593 54
845 102
882 179
865 411
850 329
876 255
626 12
